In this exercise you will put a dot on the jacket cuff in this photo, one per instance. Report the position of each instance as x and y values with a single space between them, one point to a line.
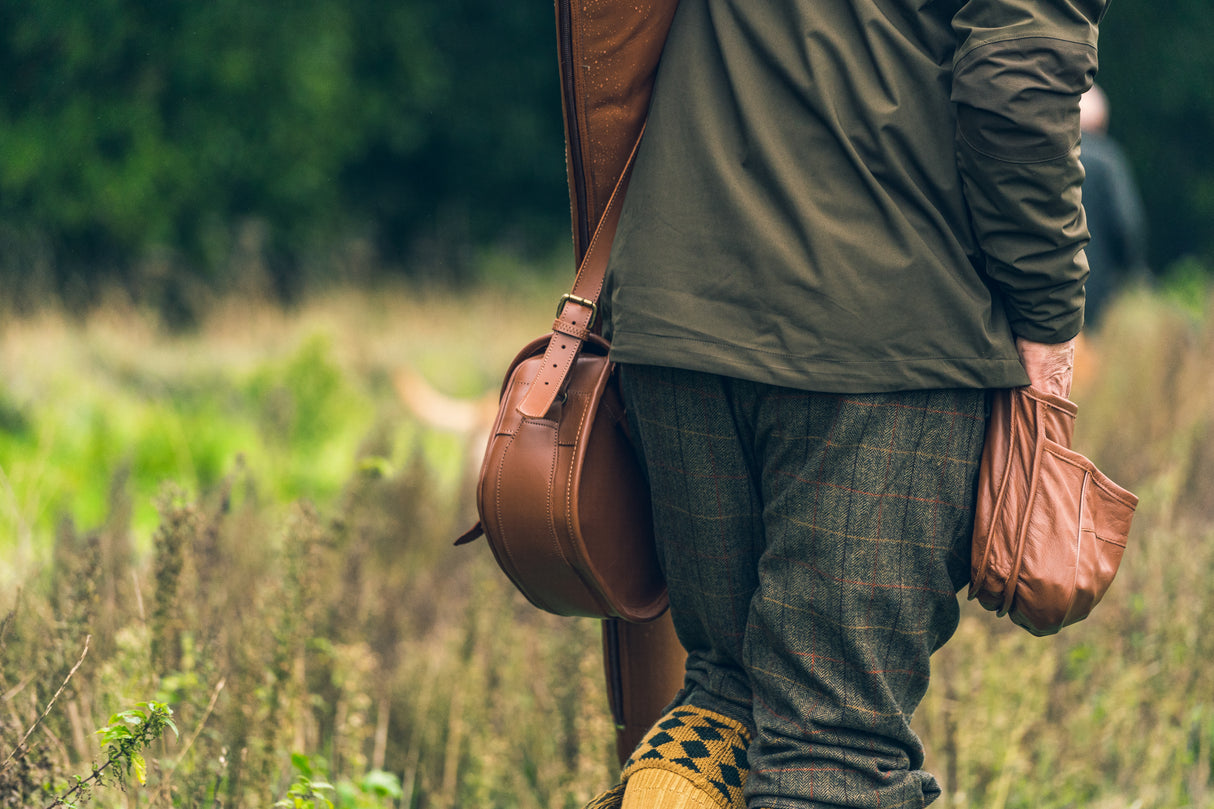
1056 330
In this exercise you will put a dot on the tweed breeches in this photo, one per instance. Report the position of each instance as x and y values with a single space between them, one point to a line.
813 545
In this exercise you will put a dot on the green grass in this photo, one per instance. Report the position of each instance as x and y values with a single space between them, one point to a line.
288 397
254 530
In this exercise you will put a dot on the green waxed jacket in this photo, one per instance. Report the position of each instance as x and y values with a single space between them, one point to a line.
857 195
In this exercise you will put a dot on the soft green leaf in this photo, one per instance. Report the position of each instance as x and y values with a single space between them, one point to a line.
383 784
140 768
301 763
132 718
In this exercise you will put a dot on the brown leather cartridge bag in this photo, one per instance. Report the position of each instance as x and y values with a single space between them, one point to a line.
562 496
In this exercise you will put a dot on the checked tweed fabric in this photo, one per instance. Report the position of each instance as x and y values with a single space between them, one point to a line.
707 749
813 546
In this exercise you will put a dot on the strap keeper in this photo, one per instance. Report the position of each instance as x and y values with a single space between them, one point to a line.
576 332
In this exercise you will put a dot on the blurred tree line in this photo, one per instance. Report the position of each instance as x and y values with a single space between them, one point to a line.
144 139
1157 67
141 142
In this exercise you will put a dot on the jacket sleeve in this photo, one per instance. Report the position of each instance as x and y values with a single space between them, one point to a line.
1018 72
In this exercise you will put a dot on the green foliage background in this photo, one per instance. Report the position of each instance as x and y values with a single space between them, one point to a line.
145 140
1155 66
131 130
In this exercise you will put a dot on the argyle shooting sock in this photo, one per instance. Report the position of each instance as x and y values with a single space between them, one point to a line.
690 759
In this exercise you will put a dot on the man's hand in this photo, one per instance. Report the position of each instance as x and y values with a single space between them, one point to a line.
1049 365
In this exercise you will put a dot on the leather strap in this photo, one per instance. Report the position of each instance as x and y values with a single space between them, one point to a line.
575 319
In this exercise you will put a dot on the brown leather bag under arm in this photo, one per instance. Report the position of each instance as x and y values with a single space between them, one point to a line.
562 497
1049 528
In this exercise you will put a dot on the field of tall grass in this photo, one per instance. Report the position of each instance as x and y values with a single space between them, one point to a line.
246 525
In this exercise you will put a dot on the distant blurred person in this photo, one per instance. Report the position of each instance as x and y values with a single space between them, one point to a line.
1117 252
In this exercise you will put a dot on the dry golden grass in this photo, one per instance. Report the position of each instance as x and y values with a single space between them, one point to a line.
345 627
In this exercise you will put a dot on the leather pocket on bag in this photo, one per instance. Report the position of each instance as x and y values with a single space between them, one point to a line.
1075 524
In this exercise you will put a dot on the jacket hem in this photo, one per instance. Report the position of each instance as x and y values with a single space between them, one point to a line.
815 373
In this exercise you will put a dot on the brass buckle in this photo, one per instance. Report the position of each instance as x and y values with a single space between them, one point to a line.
591 305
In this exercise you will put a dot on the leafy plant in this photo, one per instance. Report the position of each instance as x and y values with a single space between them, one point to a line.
306 792
377 789
123 740
374 790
